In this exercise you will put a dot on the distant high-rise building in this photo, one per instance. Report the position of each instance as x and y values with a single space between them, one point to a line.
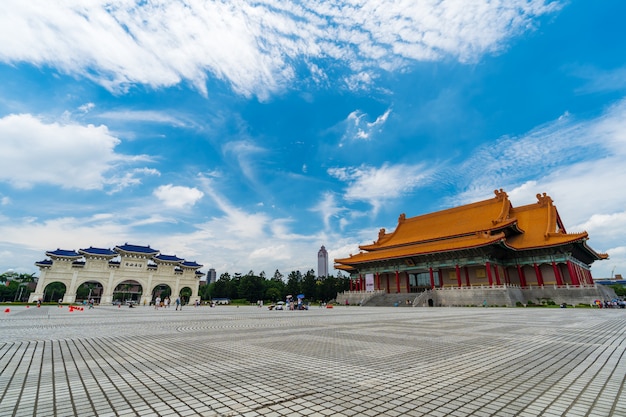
322 262
211 276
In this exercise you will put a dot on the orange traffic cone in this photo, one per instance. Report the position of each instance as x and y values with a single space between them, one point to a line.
7 310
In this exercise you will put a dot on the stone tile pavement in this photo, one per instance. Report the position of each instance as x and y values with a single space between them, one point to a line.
346 361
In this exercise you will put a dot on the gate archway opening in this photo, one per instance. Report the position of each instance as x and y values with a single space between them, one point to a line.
128 291
185 295
54 291
89 290
162 291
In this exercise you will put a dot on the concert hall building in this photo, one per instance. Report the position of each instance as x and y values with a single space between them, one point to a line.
484 244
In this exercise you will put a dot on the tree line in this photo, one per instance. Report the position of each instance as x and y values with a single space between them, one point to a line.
15 286
252 287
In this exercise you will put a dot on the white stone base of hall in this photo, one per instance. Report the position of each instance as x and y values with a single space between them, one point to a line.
497 295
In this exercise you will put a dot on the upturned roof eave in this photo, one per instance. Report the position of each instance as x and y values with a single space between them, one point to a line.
351 261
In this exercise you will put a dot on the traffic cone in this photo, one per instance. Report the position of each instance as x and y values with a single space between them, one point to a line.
7 310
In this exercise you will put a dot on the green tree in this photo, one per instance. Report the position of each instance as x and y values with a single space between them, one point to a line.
308 286
275 287
233 286
54 291
220 287
251 287
293 283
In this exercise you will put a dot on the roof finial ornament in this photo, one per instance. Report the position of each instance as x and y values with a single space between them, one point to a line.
381 233
402 218
544 199
500 194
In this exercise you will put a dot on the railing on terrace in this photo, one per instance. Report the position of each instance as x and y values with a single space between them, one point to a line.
502 286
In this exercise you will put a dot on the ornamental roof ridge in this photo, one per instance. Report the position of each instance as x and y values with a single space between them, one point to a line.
136 249
62 253
191 264
167 258
98 251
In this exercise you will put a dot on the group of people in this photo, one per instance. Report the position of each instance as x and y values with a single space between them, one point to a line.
611 304
165 303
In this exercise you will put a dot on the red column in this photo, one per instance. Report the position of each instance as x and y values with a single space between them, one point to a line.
579 272
458 276
350 284
538 275
581 275
507 277
522 278
572 273
467 281
388 288
589 277
377 281
432 277
408 286
440 278
488 268
397 281
557 274
496 269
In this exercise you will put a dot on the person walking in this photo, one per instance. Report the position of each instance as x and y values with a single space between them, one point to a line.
157 302
178 304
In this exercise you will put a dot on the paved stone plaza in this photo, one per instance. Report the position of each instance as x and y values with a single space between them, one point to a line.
346 361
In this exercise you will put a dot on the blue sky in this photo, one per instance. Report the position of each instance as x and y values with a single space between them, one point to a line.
244 136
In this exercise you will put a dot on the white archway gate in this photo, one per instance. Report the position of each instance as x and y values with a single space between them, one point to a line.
147 266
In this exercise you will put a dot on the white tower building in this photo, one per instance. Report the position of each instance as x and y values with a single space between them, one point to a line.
322 262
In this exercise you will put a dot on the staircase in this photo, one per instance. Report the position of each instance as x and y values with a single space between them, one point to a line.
390 300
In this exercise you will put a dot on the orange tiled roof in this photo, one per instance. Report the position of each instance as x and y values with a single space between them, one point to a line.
473 225
432 246
487 215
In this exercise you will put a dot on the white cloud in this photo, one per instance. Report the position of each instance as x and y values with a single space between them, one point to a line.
246 154
161 43
178 197
143 116
86 108
358 128
68 155
377 185
327 208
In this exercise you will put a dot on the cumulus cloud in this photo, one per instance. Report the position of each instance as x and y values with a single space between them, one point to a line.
178 197
162 43
68 155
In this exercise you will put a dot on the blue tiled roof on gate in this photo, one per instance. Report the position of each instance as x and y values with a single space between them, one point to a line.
64 253
168 258
137 249
45 262
98 251
190 264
